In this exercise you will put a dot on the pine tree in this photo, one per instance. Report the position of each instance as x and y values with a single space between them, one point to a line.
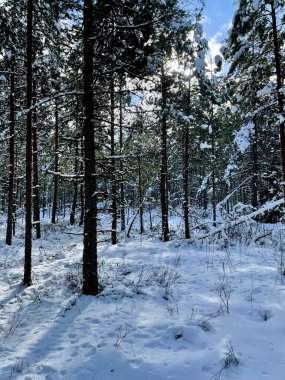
256 37
29 150
90 275
11 198
11 48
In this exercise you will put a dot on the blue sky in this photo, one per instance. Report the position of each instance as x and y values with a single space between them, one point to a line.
218 16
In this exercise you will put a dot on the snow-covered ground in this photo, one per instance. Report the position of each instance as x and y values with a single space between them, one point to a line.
167 311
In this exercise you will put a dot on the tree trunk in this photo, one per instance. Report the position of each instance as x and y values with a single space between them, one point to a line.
254 177
11 198
29 152
75 187
81 191
56 166
140 196
213 179
15 204
90 274
164 162
122 187
36 186
186 183
113 164
280 95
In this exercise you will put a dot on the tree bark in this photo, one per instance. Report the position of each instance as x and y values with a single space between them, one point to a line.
122 186
56 166
186 183
81 190
140 196
29 152
254 176
90 274
280 96
113 164
164 162
11 198
213 166
75 187
213 179
36 186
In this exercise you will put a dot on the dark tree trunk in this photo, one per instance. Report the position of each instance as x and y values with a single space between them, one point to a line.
75 187
90 274
280 95
205 199
56 166
213 178
11 198
16 191
36 185
186 183
164 162
29 152
81 192
44 203
63 200
140 196
113 165
122 187
81 218
254 159
186 162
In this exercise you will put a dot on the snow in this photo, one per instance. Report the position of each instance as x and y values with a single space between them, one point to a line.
181 115
3 134
175 310
229 169
242 137
199 28
255 4
205 145
199 65
281 119
240 52
239 98
267 90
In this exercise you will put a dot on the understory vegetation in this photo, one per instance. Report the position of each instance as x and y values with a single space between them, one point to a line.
201 308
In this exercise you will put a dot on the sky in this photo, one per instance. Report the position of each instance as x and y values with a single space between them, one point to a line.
217 20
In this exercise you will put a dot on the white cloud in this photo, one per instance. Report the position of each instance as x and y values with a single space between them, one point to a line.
215 44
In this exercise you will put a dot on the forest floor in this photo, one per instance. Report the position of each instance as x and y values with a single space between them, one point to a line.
167 311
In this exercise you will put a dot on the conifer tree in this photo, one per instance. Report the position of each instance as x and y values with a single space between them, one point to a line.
256 37
29 150
90 275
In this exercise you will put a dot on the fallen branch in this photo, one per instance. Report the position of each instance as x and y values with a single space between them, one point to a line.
244 218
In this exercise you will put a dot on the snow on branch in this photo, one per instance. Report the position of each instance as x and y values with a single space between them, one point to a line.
225 200
245 218
63 175
45 100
